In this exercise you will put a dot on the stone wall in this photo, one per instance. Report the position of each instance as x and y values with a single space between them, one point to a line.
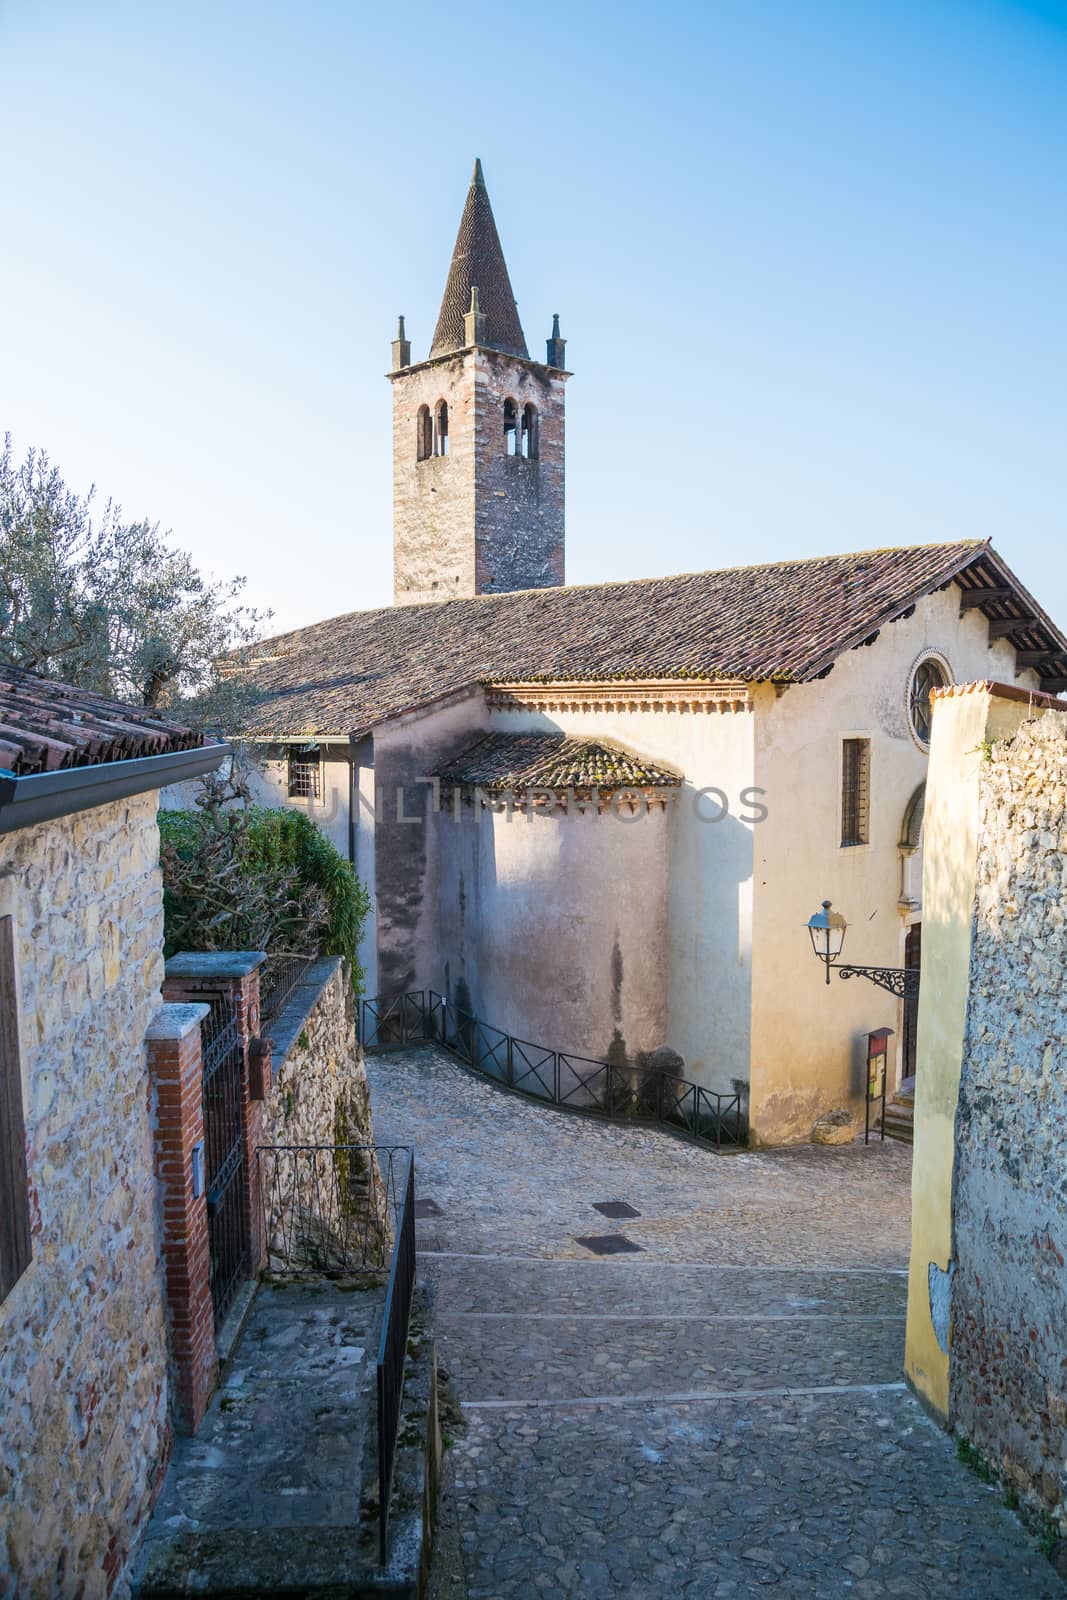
83 1356
320 1097
477 521
520 501
320 1093
1008 1370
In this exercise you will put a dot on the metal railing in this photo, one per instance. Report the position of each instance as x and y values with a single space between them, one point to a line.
392 1351
329 1210
387 1021
225 1176
559 1077
278 977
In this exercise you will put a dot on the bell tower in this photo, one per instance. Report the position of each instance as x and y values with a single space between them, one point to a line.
478 446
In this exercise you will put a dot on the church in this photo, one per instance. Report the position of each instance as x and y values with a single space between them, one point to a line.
599 817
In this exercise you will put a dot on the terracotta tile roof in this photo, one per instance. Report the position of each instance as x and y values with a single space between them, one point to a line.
787 622
45 726
478 262
551 761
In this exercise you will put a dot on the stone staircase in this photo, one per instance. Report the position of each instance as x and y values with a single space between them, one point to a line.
900 1114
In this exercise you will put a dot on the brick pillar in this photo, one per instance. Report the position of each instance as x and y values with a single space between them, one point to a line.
176 1076
204 975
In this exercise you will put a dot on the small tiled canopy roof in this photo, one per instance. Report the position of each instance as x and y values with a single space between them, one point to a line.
551 761
787 622
46 726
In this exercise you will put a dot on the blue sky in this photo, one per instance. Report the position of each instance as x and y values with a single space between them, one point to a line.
808 256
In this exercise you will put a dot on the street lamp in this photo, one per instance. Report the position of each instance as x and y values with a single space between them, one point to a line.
827 931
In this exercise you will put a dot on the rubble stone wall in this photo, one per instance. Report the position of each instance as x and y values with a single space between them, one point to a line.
83 1352
1009 1290
320 1093
320 1097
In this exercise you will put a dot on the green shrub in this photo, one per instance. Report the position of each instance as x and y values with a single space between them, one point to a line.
244 877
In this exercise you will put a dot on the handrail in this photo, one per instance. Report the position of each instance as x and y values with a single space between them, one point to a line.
560 1077
328 1209
392 1349
278 977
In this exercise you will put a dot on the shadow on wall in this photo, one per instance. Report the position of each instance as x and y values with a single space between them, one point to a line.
710 941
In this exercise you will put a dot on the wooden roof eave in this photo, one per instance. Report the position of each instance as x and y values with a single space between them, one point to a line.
1034 622
822 663
1033 617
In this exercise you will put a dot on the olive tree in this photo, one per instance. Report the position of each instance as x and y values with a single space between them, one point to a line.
111 605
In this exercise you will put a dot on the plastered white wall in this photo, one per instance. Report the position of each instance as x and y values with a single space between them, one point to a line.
709 872
554 926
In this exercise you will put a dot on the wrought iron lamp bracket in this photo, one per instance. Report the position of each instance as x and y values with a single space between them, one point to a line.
901 981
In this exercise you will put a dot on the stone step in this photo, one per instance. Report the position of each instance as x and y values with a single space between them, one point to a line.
900 1120
636 1286
555 1359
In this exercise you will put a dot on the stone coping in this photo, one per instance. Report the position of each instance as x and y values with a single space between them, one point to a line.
176 1019
214 963
284 1028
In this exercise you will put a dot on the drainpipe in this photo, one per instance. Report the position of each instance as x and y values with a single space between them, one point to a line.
353 740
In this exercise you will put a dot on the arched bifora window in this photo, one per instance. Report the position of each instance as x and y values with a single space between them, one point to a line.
441 430
423 434
529 431
511 429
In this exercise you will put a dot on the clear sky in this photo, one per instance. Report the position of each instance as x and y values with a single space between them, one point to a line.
809 256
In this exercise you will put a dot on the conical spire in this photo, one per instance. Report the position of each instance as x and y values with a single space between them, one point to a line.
478 263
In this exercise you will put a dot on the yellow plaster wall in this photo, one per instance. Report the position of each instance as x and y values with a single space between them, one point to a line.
963 723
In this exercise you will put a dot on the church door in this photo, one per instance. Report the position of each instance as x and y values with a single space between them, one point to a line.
912 958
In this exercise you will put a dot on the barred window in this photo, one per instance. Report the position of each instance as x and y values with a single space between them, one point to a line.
303 775
855 791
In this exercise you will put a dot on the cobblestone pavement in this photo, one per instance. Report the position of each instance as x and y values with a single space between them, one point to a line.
721 1414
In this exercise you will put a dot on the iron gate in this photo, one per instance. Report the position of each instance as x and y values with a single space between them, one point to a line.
225 1175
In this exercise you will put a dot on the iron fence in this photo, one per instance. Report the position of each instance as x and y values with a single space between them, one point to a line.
329 1210
225 1176
278 977
392 1351
391 1020
627 1092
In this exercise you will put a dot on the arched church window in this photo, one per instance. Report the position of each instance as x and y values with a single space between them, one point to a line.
511 429
441 447
423 434
529 431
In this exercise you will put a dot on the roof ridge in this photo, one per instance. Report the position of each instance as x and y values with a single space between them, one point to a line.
785 621
619 583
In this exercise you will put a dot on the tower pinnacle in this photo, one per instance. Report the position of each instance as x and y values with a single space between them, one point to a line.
478 262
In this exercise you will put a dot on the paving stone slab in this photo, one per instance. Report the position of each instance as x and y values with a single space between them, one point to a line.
804 1497
809 1204
560 1359
773 1280
643 1287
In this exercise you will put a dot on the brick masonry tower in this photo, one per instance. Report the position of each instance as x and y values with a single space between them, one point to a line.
478 473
